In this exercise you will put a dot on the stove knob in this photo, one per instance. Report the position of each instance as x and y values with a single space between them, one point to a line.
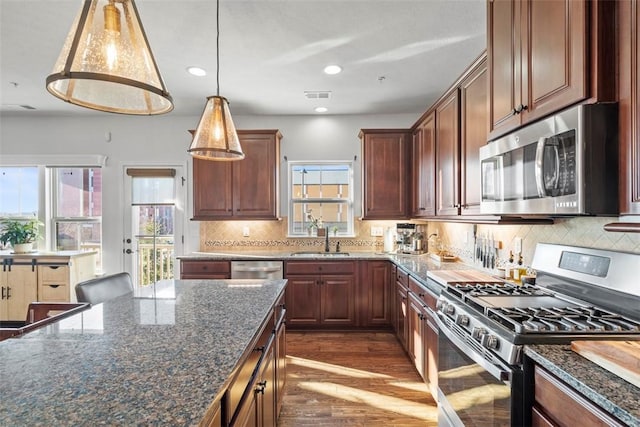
462 320
478 333
449 309
490 341
440 304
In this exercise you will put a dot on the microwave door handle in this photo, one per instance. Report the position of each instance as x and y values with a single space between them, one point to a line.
539 167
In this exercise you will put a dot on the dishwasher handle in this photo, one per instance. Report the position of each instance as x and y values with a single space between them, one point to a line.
259 269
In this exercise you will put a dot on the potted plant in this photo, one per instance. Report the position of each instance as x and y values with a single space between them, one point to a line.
20 233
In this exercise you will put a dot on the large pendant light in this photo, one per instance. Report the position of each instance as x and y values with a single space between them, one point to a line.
106 63
215 137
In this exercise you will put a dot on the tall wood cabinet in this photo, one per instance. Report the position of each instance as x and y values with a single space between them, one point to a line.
423 158
629 106
385 167
242 189
448 154
474 128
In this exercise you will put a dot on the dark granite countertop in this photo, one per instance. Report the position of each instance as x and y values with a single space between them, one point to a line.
615 395
161 358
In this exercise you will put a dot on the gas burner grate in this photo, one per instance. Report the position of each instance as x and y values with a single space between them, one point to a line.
465 290
562 320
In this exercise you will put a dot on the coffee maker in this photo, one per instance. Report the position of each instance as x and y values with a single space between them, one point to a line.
410 238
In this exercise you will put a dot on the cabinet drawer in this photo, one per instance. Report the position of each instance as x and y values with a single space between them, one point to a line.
321 267
203 268
53 293
423 293
53 274
402 277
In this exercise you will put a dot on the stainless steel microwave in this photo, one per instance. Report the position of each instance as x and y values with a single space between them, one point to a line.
566 164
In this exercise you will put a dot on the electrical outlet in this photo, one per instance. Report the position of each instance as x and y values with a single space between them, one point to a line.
517 245
245 231
376 231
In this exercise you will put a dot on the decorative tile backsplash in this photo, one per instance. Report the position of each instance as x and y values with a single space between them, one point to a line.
455 237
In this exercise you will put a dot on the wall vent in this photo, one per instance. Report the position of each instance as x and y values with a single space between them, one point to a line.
317 94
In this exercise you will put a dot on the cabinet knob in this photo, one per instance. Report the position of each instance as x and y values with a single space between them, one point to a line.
521 108
514 112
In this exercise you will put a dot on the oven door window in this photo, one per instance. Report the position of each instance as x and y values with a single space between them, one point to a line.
472 396
559 164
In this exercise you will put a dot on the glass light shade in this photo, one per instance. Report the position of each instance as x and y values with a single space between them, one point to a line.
215 137
106 63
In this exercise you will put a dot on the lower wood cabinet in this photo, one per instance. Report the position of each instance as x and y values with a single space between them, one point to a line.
19 285
254 397
375 295
558 404
422 344
402 308
321 293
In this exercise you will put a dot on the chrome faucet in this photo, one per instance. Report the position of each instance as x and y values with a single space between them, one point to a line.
326 240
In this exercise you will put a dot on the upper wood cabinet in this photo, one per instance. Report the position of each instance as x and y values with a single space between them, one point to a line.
448 154
423 157
243 189
544 56
385 174
629 106
474 127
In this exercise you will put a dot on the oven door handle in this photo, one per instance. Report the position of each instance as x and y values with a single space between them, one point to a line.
498 370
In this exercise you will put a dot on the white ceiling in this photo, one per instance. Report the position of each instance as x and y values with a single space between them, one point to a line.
398 55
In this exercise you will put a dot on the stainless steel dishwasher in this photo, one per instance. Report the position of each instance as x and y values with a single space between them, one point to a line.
256 269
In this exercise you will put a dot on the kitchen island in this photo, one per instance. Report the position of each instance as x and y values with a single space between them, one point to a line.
167 356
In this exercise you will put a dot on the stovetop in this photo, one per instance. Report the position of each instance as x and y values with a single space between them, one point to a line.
531 309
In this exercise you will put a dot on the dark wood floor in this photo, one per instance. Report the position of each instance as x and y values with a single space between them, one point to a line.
352 379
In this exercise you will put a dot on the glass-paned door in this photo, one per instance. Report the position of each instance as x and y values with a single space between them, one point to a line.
155 221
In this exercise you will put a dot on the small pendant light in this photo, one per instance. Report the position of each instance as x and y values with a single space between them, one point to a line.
215 137
106 63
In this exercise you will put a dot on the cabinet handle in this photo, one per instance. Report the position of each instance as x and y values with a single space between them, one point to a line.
260 349
420 294
8 292
261 386
423 209
514 112
3 292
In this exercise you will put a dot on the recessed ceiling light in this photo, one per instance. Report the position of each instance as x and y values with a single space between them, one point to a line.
196 71
321 109
332 69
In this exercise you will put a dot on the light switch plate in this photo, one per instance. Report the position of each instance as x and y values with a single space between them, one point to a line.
517 245
245 231
376 231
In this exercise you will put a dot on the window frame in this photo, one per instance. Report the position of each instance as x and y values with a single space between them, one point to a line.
293 201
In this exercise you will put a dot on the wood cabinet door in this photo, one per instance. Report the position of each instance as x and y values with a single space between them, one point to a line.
20 289
377 293
401 315
212 189
555 64
281 365
629 106
384 174
431 354
448 155
423 171
255 189
416 333
303 300
473 135
503 52
337 300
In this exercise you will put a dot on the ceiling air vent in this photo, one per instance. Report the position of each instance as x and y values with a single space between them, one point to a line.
317 94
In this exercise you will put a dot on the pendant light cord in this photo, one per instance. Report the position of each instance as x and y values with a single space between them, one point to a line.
218 47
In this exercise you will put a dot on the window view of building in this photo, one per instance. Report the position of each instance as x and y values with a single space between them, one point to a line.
321 196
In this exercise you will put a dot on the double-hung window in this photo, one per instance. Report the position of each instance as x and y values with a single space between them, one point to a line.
77 209
320 193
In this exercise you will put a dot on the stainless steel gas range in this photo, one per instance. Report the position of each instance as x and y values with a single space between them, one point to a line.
579 293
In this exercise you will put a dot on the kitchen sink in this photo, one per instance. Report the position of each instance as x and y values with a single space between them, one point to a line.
317 253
